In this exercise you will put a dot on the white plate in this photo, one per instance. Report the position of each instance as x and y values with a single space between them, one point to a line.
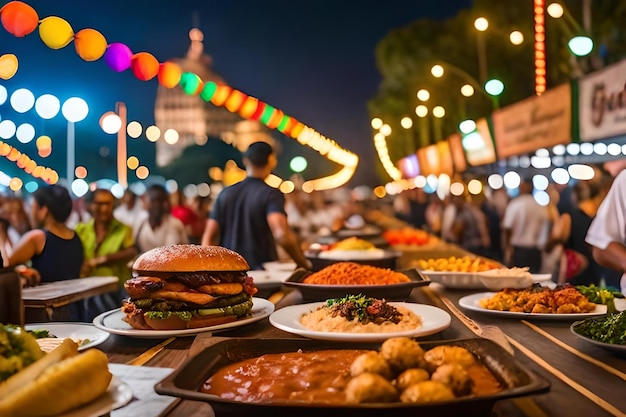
472 302
361 254
74 331
541 277
112 322
279 266
468 280
434 320
118 394
261 276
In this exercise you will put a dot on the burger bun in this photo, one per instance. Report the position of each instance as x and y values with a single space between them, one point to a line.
190 258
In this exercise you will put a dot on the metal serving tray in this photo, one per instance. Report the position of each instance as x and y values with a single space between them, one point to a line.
186 381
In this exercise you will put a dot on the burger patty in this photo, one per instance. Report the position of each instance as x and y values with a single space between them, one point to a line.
172 305
154 287
196 279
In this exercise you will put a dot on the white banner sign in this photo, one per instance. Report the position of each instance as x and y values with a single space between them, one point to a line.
602 103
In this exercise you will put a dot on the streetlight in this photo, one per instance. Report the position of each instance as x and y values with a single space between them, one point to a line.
74 110
467 90
481 24
579 43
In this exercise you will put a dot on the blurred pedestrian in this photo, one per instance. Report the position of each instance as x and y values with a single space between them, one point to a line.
160 228
183 212
249 216
53 250
130 210
526 226
108 248
470 226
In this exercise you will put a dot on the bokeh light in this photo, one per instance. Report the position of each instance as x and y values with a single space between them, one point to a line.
22 100
134 129
47 106
132 163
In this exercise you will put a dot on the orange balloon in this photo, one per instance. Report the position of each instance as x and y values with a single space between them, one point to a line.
248 107
44 152
30 166
55 32
37 171
19 19
13 154
145 66
235 101
297 129
169 74
53 178
22 160
5 148
90 44
221 94
8 66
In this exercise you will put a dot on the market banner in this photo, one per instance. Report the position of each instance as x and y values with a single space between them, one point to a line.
537 122
428 158
435 159
458 154
409 167
602 103
478 145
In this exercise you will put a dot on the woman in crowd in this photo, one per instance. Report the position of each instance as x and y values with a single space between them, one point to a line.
53 250
160 228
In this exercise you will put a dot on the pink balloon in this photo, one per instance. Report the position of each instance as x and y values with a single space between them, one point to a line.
118 56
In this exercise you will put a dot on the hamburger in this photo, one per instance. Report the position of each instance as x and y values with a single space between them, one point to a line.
187 286
57 382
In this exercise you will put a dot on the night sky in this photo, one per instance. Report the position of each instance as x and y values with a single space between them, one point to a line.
312 59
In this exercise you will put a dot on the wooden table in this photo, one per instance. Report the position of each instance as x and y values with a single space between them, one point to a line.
586 380
51 295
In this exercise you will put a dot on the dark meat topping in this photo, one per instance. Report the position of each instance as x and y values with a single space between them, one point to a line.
365 309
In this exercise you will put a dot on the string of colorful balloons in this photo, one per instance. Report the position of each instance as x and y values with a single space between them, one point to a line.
20 19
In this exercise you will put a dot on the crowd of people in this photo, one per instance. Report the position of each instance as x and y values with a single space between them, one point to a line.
52 236
516 230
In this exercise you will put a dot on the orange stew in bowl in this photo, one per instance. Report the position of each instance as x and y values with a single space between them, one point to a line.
351 273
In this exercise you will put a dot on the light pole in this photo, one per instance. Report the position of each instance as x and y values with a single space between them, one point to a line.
115 122
481 24
579 44
74 110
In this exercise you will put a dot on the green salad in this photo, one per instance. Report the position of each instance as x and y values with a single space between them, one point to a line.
601 295
608 329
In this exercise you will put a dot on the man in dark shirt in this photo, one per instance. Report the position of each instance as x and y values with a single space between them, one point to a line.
249 216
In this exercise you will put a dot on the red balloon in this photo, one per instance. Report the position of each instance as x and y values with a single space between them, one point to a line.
19 19
145 66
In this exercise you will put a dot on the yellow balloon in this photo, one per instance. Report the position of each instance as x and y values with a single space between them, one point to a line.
55 32
8 66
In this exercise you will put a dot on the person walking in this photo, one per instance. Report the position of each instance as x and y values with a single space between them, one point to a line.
249 216
526 227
